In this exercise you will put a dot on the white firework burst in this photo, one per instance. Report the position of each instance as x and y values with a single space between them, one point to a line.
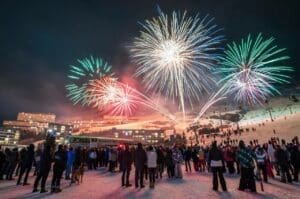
175 55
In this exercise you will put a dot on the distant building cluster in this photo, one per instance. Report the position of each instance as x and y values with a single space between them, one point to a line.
36 117
9 136
29 124
140 135
34 126
107 120
60 129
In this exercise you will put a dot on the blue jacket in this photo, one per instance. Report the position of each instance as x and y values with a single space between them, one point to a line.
71 157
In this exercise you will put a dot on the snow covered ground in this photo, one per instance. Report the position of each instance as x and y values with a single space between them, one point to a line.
285 128
101 184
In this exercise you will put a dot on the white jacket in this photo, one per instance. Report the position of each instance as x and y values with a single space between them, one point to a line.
271 153
151 159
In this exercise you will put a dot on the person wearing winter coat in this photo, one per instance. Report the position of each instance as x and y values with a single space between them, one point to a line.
160 162
203 158
44 169
187 159
78 158
271 152
37 160
229 159
112 159
60 161
2 162
140 159
92 159
282 157
216 162
152 164
13 162
126 162
295 160
27 159
195 159
8 162
170 164
70 162
246 157
177 159
261 160
22 162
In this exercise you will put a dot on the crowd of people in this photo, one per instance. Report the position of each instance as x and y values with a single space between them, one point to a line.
15 163
251 161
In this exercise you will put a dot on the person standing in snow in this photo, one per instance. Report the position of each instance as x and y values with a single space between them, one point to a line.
126 158
178 159
216 163
152 164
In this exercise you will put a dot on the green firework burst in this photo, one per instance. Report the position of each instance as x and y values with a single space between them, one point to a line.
87 70
252 69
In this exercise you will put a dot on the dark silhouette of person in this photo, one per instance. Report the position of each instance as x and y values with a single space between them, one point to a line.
27 158
140 158
216 162
45 166
60 161
126 166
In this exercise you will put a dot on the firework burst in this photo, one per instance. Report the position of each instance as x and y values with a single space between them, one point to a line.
101 92
252 69
126 102
82 74
108 95
175 55
111 96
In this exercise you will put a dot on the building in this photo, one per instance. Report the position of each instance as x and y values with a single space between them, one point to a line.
83 125
141 135
9 136
36 117
60 129
25 125
90 141
31 122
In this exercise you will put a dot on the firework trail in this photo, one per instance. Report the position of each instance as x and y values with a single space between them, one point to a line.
211 101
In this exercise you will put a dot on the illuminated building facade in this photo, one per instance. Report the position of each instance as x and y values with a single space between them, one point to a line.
60 129
36 117
9 136
141 135
83 125
33 122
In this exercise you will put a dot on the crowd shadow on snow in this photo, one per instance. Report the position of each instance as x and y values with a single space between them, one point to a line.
8 187
164 188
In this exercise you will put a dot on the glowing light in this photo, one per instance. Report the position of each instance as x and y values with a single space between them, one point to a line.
81 75
125 103
250 72
252 69
175 55
119 99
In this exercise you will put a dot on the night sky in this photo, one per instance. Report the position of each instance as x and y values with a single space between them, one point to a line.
40 39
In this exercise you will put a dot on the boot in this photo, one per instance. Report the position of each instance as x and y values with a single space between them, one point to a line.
43 191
